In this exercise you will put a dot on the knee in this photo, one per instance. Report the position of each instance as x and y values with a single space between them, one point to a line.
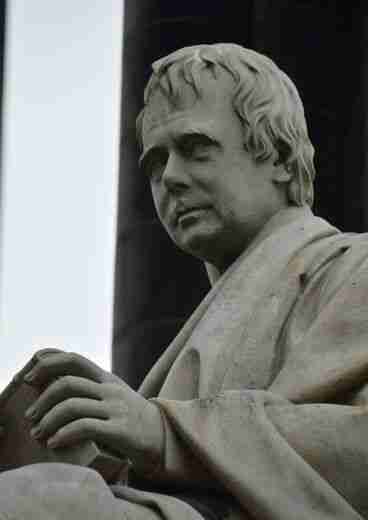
28 479
36 490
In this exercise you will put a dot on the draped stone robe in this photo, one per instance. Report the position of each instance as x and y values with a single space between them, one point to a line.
262 393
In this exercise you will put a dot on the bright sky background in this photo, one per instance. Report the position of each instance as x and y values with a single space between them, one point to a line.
60 165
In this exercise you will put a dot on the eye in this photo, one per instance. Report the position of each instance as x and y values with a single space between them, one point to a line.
196 147
154 165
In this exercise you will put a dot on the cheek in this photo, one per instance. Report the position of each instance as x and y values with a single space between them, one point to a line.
223 192
234 199
157 197
159 201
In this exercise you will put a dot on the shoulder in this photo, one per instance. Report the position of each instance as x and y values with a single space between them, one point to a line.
333 263
336 255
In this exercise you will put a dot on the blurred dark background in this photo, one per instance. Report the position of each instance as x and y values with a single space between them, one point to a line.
323 47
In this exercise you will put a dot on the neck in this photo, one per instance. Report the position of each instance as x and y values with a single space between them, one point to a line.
282 218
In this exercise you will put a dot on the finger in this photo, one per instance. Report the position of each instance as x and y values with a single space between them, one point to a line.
82 429
66 412
19 376
64 388
59 364
45 352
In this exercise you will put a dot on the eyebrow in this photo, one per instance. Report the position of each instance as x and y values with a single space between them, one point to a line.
189 132
200 132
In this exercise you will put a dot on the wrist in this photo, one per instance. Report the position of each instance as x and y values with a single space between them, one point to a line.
150 457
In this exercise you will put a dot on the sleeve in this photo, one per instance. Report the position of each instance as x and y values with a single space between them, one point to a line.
278 459
325 341
296 450
179 467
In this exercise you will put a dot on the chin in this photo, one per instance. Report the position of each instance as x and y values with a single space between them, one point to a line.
201 245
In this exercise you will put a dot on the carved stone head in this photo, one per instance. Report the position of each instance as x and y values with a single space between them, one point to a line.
225 146
264 98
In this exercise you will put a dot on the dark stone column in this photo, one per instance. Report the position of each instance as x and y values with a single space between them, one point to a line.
322 47
361 113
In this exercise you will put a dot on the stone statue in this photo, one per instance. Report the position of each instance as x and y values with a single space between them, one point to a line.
258 408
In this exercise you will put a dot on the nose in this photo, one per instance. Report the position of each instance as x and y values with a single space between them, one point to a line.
175 178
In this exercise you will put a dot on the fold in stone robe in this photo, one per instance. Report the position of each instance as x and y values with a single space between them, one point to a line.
262 393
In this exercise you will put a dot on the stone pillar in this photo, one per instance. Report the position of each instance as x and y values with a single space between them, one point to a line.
322 47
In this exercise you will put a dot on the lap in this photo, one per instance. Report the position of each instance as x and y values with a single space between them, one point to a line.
59 491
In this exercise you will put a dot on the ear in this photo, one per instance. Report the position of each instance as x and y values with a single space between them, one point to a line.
281 173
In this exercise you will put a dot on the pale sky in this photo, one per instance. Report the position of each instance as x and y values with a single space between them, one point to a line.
60 174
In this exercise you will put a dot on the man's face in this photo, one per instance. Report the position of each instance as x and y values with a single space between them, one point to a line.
209 194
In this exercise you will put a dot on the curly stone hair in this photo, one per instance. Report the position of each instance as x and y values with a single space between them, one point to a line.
264 98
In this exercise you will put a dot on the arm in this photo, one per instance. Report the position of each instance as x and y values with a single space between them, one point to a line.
82 401
279 459
269 452
266 451
302 447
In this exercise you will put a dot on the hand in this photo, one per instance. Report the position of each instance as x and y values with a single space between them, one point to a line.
83 401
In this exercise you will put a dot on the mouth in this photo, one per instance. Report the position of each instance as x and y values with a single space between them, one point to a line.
189 213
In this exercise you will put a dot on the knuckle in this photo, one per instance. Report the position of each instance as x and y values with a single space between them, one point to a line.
112 389
67 382
86 426
59 386
56 386
61 409
70 357
72 405
73 358
42 363
39 353
105 376
44 422
106 390
56 409
44 352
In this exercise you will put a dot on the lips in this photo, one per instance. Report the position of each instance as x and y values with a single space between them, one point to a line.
182 211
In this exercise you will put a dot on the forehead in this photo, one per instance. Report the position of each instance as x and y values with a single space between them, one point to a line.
214 103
